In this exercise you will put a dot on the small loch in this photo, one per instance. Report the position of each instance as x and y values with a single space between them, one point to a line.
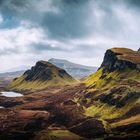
1 107
11 94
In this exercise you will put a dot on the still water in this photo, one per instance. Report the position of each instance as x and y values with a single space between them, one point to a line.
11 94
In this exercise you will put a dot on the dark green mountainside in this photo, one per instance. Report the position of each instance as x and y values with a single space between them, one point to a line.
42 75
114 91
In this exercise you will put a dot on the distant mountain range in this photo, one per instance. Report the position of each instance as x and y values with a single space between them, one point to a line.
7 77
12 74
76 70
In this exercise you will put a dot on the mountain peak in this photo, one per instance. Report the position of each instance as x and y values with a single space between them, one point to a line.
120 58
42 62
45 64
57 60
42 75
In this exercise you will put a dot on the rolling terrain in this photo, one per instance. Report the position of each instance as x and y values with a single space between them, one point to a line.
106 105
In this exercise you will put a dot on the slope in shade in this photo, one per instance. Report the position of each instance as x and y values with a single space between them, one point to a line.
42 75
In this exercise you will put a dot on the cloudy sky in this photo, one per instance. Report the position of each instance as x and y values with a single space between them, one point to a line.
76 30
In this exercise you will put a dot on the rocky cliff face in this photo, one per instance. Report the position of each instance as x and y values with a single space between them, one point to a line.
44 71
121 58
119 64
41 75
114 92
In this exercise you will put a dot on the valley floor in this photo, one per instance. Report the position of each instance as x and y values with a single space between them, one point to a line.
65 113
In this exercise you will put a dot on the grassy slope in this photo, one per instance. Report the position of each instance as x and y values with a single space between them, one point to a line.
129 79
38 83
111 79
21 84
58 135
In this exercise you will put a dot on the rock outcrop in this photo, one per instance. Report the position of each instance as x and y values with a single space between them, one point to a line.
118 98
44 70
121 58
40 76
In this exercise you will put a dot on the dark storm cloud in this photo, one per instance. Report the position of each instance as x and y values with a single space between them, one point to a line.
68 19
73 29
134 3
69 23
46 47
73 18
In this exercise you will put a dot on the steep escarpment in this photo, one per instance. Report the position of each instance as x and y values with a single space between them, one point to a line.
114 91
119 64
42 75
121 58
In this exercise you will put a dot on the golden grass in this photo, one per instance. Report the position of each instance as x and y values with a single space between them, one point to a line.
59 135
105 111
127 54
111 79
105 84
93 78
133 119
21 84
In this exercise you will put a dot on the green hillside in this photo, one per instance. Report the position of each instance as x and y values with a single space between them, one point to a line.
117 86
42 75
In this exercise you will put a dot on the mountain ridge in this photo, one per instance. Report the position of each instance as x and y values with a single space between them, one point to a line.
114 91
119 58
64 60
41 75
76 70
72 69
